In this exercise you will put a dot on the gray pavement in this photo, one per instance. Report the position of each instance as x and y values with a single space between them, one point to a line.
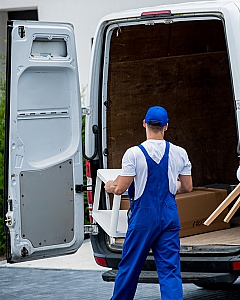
77 276
81 260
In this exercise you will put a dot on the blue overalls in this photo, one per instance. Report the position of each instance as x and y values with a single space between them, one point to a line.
154 223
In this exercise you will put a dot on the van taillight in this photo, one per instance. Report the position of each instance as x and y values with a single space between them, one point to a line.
236 265
88 169
89 190
101 261
156 13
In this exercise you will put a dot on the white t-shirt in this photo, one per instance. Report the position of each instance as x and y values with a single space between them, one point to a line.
134 164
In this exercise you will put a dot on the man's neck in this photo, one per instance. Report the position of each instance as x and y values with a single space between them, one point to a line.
155 136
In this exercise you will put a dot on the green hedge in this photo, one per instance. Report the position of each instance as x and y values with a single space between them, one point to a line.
2 119
86 217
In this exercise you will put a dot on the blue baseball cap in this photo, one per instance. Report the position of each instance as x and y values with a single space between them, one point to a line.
157 114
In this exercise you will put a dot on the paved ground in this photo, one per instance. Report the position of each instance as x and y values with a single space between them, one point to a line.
78 277
81 260
30 283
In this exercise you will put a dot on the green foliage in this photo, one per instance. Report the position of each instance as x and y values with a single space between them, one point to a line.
2 122
86 218
86 215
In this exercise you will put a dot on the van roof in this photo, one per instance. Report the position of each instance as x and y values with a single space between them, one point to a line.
199 6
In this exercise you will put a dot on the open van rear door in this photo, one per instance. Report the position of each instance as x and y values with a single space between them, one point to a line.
44 207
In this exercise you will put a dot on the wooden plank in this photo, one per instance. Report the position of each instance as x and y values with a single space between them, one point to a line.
223 205
196 91
133 43
232 211
229 236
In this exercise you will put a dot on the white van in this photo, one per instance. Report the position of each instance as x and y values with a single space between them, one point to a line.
184 57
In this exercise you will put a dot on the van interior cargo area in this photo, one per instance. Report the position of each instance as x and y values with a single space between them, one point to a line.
182 65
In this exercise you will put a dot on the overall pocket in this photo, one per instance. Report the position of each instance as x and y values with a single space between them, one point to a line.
140 218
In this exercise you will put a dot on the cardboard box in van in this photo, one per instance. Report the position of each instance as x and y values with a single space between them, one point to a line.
195 207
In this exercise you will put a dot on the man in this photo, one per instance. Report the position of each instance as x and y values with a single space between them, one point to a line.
158 169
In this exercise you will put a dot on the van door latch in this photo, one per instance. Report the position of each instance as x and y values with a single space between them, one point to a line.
86 111
93 229
21 31
80 188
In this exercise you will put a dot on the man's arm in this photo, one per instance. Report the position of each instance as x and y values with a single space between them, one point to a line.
119 185
185 184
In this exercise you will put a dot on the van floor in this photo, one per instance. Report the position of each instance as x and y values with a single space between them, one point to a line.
229 236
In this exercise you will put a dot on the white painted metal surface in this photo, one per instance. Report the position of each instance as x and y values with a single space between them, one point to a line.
44 142
113 221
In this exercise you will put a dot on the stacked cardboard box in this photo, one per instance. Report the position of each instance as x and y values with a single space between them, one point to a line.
194 208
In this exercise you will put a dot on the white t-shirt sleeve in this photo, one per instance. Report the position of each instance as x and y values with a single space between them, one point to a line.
134 164
187 166
179 164
128 163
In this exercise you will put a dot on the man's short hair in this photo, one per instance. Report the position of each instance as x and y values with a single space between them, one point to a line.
154 126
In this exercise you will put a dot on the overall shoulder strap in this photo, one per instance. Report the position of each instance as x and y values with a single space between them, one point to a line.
166 149
144 151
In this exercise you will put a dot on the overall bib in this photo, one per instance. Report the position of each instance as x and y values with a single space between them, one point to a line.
153 223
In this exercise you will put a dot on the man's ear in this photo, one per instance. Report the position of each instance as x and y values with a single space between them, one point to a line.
165 128
144 123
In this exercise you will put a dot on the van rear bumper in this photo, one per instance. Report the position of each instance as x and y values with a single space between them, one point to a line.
199 269
187 277
189 264
202 271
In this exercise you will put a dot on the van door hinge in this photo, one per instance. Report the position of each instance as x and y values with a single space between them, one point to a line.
80 188
93 229
86 111
8 221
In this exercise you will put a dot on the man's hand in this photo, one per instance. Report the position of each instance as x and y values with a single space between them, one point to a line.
119 185
108 186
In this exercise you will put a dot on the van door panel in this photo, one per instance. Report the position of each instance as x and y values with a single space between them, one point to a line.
44 212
